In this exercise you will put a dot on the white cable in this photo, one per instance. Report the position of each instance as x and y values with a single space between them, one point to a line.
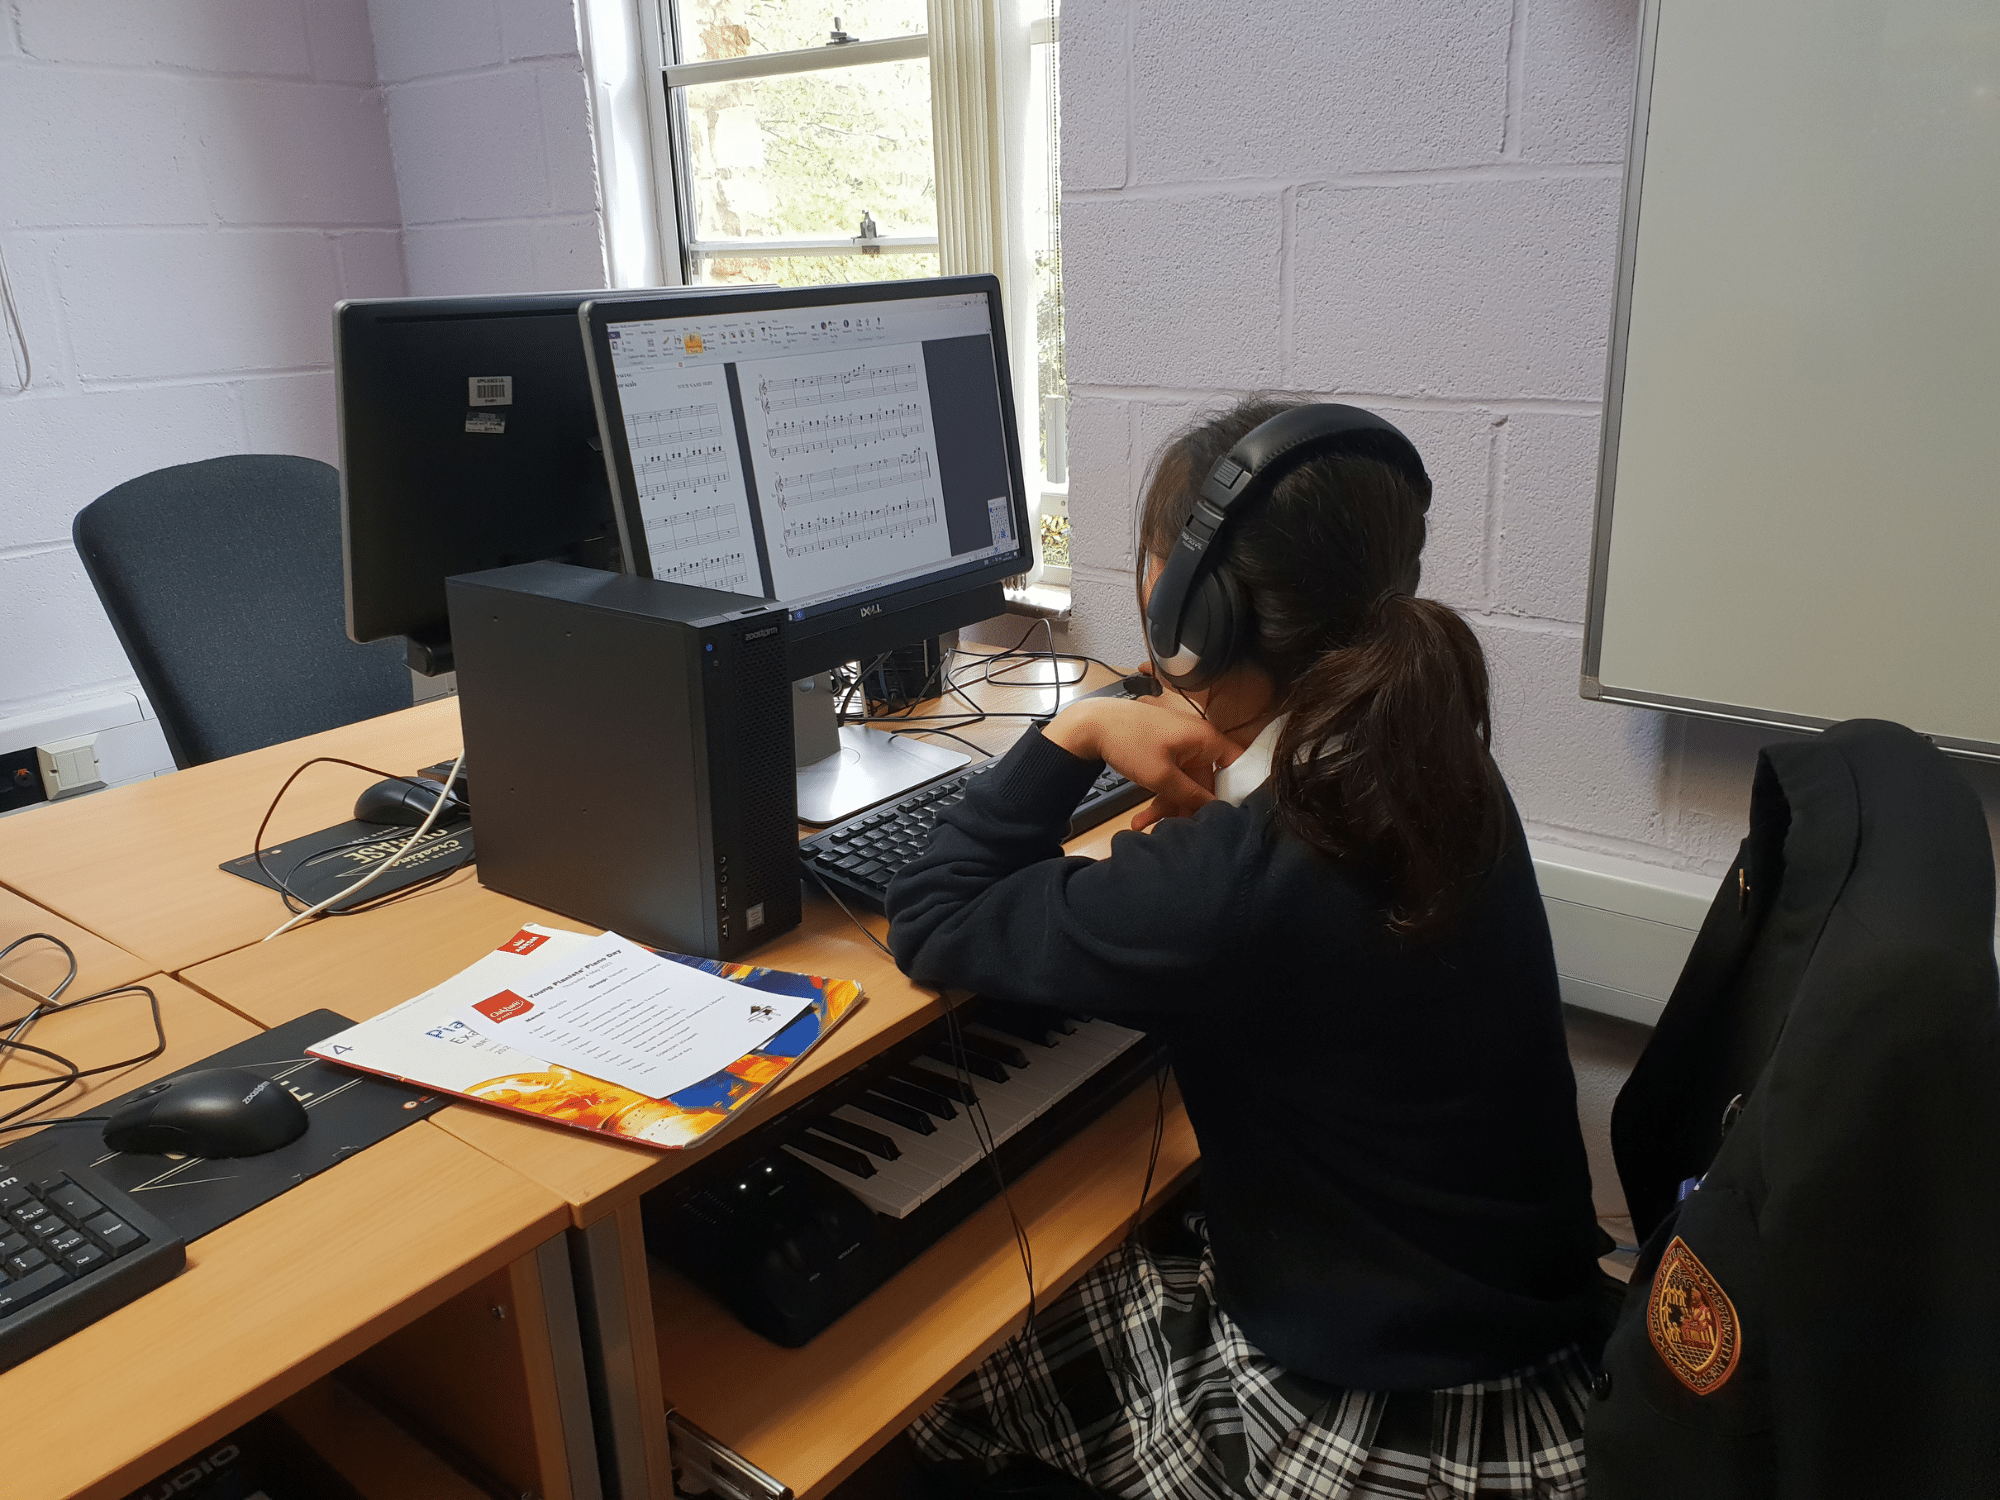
408 844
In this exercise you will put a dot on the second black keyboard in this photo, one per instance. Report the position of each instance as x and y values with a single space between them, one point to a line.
862 855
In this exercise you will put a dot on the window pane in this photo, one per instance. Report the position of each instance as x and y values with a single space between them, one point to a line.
1044 225
711 29
810 270
807 155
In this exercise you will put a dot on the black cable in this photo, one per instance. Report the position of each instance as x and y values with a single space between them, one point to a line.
982 1129
73 1074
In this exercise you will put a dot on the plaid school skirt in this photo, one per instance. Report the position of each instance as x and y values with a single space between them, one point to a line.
1138 1384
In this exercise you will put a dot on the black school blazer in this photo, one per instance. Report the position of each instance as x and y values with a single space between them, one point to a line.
1821 1317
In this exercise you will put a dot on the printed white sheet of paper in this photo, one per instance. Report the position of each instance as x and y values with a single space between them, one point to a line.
611 1009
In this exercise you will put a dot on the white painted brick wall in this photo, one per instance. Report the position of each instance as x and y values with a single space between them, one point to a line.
489 124
1413 205
185 190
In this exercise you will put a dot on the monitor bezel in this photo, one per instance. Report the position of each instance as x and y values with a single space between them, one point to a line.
373 609
879 618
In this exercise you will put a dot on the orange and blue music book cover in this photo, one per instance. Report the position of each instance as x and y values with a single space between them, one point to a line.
425 1042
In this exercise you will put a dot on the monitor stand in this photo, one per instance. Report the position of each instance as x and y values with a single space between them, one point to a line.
844 768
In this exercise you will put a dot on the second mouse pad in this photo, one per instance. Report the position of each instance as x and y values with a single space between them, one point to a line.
348 1112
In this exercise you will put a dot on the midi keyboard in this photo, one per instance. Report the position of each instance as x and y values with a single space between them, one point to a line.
805 1216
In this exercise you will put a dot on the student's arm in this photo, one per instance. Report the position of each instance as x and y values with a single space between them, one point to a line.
994 906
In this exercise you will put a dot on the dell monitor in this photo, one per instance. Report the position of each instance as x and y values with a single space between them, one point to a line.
849 451
468 441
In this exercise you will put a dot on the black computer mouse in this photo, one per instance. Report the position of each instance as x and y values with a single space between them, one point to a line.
406 802
211 1112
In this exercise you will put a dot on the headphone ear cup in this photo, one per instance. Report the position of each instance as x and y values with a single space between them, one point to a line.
1209 630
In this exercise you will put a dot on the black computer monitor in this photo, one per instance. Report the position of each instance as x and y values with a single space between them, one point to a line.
847 450
468 440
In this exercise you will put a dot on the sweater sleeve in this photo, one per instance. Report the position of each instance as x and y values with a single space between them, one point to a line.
994 906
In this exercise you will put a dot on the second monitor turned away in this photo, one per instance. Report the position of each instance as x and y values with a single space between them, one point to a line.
848 451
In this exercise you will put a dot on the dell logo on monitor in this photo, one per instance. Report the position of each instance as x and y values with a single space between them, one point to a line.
870 609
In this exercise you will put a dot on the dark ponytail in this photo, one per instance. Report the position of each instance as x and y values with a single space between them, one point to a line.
1384 759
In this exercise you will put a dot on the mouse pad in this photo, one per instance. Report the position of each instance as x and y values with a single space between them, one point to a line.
319 865
348 1111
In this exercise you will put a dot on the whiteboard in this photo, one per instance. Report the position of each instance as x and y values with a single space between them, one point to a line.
1798 511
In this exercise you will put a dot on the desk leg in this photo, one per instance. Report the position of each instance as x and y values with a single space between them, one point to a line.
615 1302
571 1382
496 1376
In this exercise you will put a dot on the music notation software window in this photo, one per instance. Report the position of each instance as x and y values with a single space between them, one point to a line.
815 453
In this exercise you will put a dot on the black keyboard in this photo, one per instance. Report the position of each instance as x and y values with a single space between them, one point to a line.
72 1249
862 855
811 1212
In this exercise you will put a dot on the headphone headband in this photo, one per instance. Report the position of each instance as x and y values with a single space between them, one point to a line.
1250 470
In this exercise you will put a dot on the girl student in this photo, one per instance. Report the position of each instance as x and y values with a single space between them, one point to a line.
1333 921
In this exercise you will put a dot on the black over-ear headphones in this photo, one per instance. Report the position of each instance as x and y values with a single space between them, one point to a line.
1197 621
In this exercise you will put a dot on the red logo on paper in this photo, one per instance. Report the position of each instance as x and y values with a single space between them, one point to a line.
504 1006
524 941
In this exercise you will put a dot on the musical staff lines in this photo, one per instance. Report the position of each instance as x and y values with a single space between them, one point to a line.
687 528
731 571
835 431
913 467
849 528
678 426
864 382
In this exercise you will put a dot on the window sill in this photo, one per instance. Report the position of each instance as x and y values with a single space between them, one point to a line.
1041 601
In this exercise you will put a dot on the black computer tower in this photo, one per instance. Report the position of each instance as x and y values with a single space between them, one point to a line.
631 745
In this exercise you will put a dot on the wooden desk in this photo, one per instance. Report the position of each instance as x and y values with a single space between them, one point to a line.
362 965
137 865
41 966
277 1299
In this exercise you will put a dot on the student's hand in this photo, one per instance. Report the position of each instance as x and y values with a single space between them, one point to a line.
1172 755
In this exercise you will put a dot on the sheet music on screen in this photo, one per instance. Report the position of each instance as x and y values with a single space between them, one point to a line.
809 454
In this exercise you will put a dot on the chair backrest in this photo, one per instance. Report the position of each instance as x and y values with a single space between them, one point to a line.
223 581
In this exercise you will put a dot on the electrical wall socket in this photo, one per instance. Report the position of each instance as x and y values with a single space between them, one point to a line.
69 766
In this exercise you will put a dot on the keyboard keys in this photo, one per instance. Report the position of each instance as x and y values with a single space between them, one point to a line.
114 1232
874 1142
986 1044
956 1058
76 1204
65 1243
88 1258
21 1292
917 1093
924 1076
25 1262
895 1112
834 1153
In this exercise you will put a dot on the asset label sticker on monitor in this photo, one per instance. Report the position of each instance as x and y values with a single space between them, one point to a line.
485 421
489 390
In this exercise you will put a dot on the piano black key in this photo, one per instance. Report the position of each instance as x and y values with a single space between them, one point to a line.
993 1047
895 1112
913 1091
968 1059
938 1082
873 1142
844 1157
1029 1023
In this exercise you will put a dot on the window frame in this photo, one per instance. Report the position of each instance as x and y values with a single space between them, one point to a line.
980 54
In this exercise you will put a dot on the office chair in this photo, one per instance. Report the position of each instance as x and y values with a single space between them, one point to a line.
223 580
1810 1145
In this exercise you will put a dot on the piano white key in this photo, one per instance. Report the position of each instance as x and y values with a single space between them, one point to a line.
878 1192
